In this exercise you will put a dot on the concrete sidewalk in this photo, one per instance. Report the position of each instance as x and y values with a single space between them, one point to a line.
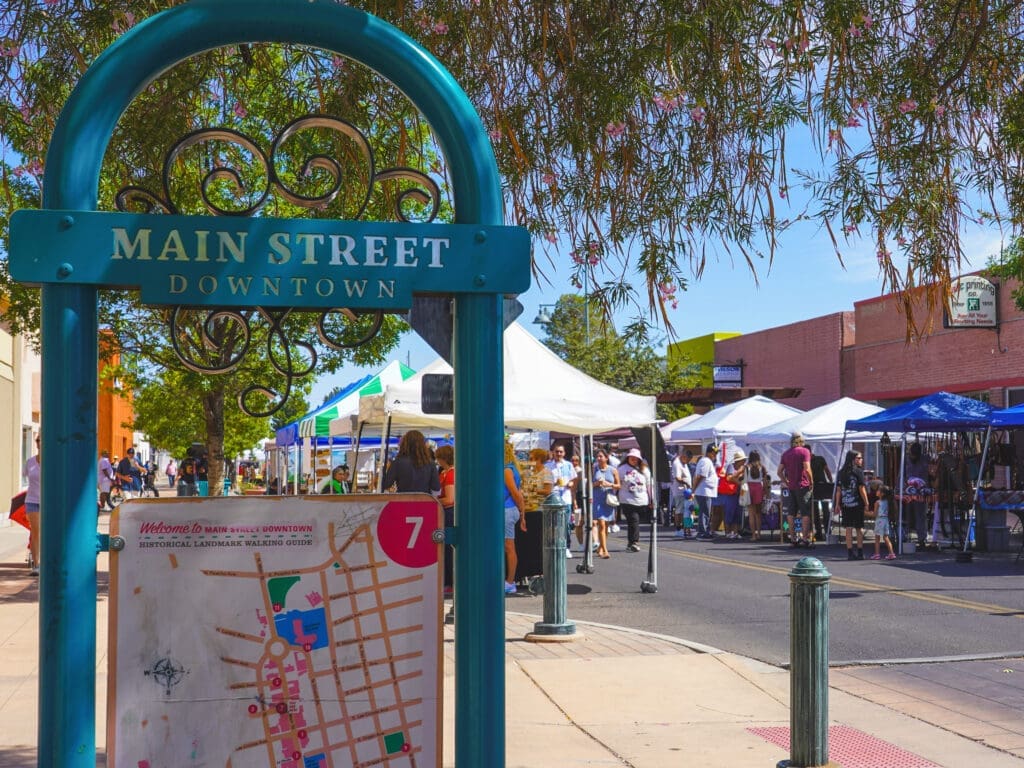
611 697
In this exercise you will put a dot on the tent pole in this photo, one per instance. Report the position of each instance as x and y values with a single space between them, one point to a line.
355 459
650 585
972 515
587 453
836 503
384 454
903 459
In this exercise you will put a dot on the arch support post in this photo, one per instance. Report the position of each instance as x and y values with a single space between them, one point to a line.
478 361
67 578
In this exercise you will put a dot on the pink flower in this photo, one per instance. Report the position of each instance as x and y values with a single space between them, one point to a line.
852 121
52 2
338 62
782 192
697 113
789 44
592 246
834 135
804 45
667 104
882 255
495 135
868 20
440 28
615 129
855 30
548 178
940 110
551 237
10 51
239 110
907 105
849 229
901 240
772 45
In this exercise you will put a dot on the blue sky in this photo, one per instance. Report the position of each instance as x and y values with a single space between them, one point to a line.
805 280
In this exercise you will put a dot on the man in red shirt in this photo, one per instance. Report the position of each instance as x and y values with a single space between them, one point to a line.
797 489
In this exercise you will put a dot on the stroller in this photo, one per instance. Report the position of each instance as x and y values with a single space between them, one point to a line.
20 516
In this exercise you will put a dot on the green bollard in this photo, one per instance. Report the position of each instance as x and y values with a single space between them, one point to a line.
808 665
555 627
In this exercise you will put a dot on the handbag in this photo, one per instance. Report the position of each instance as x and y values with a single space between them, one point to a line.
725 487
744 494
611 500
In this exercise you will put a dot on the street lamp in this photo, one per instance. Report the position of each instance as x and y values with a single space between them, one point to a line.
543 315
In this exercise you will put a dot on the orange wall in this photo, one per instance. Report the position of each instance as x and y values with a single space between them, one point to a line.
114 408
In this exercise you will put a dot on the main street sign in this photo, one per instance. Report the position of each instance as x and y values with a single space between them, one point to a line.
244 262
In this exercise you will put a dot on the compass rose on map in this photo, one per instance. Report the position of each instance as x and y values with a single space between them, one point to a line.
167 673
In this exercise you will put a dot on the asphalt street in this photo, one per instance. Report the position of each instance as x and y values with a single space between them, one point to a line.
735 596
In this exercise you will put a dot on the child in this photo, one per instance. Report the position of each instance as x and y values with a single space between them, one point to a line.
882 531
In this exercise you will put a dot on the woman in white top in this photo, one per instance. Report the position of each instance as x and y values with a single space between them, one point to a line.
31 473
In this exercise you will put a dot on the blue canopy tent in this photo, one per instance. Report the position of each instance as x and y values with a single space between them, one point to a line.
1007 418
938 412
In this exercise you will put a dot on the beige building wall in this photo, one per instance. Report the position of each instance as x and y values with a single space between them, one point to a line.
20 398
10 431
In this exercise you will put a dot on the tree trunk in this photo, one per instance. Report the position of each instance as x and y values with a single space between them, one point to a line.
213 413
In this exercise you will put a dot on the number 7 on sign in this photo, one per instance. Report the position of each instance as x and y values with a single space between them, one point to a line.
417 524
405 532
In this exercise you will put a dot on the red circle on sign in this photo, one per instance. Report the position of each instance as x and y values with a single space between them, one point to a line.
281 707
405 532
253 709
276 682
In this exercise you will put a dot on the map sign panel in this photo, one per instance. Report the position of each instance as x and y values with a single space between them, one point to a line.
275 632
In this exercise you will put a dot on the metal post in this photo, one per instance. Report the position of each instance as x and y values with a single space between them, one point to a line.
808 665
67 580
555 625
479 567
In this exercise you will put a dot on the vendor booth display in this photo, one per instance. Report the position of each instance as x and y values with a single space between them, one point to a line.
308 438
950 419
992 504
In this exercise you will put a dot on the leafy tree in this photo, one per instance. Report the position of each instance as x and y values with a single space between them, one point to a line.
650 136
1009 265
168 409
624 362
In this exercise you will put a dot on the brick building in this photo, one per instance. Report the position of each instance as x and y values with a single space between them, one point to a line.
807 354
114 404
979 362
865 354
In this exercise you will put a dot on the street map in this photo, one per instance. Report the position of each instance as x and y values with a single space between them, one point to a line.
286 632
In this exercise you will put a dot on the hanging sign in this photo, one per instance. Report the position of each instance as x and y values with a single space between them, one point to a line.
972 304
285 631
265 262
727 376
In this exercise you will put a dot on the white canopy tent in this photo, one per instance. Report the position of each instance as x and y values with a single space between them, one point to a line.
542 392
732 423
823 429
665 429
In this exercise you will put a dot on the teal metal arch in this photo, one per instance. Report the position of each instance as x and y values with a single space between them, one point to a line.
69 334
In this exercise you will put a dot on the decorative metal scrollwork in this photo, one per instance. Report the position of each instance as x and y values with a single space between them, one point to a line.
238 179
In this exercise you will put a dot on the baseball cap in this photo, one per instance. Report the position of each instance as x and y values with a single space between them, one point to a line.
712 448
